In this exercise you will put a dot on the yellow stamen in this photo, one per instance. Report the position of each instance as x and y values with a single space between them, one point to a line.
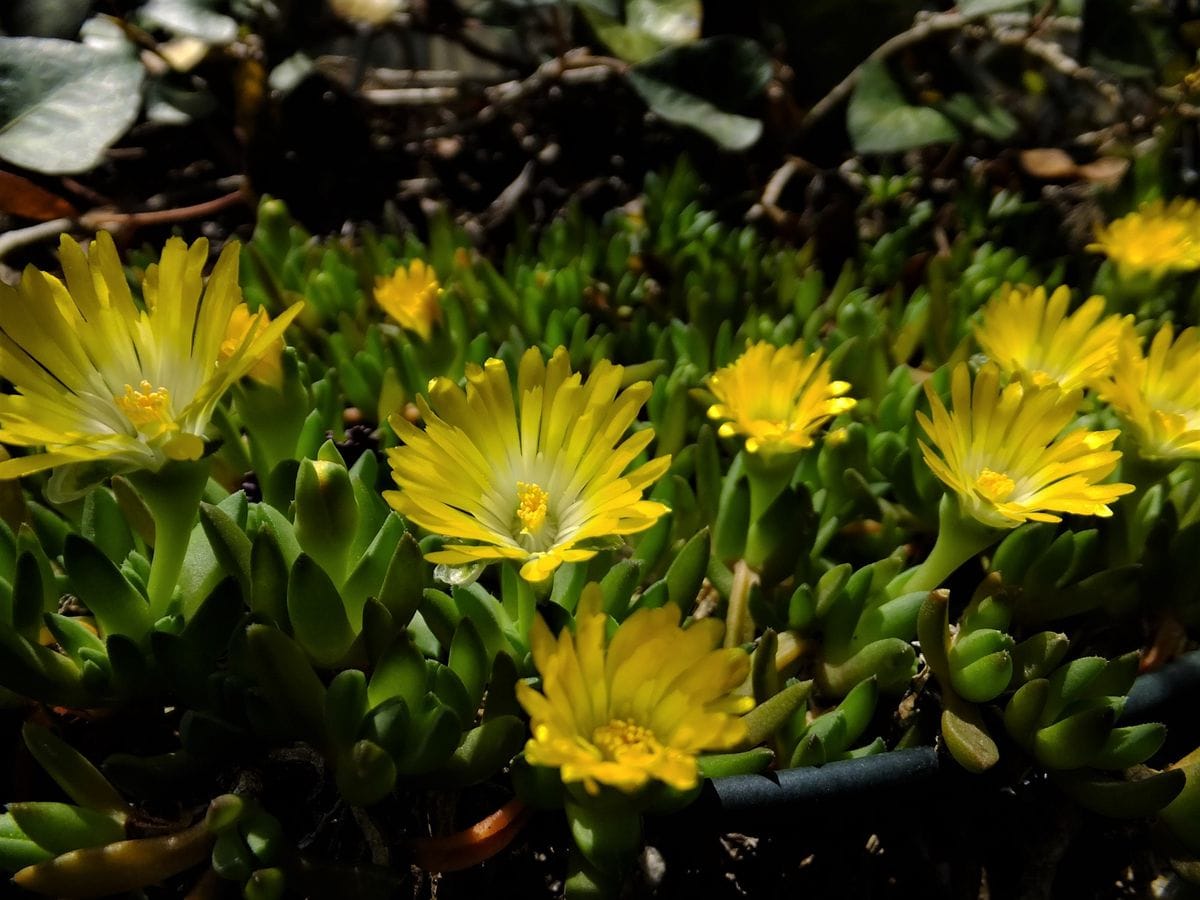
995 486
531 506
621 741
146 406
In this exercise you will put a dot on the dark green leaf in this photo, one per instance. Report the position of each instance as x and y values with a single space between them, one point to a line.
315 609
62 103
118 608
880 119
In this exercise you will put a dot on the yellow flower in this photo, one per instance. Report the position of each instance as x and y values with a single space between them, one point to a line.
1002 451
242 323
1157 396
777 397
96 378
537 481
1157 239
1036 340
639 709
410 296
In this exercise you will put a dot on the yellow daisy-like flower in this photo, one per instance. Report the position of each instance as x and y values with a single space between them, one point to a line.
777 397
1157 395
1034 339
541 480
1002 451
97 378
242 323
639 709
1157 239
410 297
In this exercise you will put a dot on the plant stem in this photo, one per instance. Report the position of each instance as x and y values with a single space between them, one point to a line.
172 495
739 625
959 538
1144 474
768 478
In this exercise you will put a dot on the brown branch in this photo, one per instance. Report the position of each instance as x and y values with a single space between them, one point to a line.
111 219
1011 30
769 202
927 24
575 66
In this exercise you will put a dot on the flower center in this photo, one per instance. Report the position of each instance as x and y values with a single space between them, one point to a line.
995 486
1041 378
532 506
623 741
148 407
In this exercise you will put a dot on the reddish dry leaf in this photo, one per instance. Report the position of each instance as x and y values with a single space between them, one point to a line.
21 197
1107 170
1049 163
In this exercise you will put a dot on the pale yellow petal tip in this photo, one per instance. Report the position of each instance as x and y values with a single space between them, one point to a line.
648 700
784 419
184 447
1051 470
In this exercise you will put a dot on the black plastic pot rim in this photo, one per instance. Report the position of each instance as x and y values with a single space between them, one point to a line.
844 782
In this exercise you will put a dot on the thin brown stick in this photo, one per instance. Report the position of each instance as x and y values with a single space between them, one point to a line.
927 24
111 219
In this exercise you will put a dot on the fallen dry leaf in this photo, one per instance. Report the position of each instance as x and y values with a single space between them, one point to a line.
21 197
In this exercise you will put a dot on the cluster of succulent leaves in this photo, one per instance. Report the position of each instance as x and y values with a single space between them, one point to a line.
305 613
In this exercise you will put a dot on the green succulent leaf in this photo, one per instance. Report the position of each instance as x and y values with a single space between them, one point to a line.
117 606
319 621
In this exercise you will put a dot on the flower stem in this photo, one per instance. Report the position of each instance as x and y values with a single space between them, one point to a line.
739 625
1144 474
172 494
768 478
959 538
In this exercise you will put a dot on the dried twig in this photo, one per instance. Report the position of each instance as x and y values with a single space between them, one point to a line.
112 220
1011 30
769 202
506 201
575 66
21 237
1056 58
927 24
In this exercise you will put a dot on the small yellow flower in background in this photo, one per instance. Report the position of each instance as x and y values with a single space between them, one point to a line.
1157 395
97 378
776 397
1033 338
242 323
1000 450
1157 239
540 478
410 297
639 709
366 12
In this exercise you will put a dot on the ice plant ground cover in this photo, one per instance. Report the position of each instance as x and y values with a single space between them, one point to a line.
601 448
550 538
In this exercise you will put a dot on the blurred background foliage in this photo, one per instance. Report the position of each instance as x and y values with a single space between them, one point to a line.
385 110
